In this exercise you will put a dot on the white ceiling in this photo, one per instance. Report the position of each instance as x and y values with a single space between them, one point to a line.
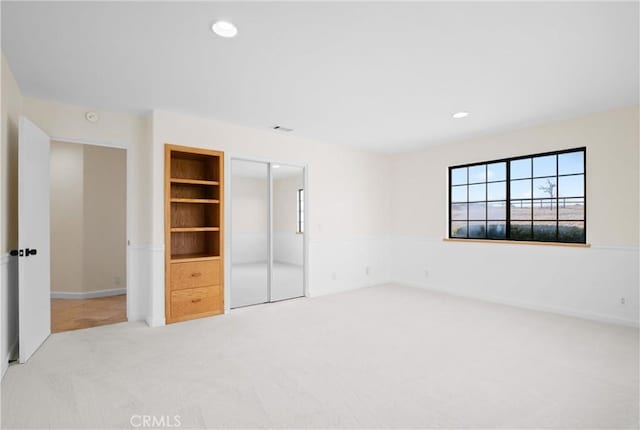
381 76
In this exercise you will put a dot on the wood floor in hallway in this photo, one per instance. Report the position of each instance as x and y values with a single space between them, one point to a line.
74 314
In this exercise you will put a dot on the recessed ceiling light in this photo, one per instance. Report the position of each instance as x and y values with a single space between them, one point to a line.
276 166
459 115
224 29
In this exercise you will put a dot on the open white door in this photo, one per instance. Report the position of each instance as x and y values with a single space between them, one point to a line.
34 278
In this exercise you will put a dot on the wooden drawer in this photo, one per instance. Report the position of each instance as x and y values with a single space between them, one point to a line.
195 274
196 301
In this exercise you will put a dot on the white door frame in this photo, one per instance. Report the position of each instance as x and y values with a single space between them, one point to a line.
227 216
128 197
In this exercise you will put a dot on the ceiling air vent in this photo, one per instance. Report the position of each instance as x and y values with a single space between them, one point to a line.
282 129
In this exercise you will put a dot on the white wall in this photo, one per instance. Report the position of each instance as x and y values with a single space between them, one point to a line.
11 106
132 132
105 210
588 282
67 217
88 219
348 215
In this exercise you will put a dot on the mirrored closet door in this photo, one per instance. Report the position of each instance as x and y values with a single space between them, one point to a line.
249 233
267 232
287 268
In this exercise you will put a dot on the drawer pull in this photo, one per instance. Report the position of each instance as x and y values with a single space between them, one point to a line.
196 300
196 274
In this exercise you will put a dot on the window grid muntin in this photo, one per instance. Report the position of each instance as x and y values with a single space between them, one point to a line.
532 200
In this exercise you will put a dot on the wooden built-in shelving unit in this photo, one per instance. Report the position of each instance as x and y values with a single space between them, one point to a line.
193 181
194 209
194 201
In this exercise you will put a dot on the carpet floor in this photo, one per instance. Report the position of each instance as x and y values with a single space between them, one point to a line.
380 357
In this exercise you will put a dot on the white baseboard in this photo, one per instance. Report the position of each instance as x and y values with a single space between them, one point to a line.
155 321
88 294
529 306
345 289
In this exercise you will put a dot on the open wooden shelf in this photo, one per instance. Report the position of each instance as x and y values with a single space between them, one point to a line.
185 258
195 201
194 244
190 215
193 181
193 229
184 189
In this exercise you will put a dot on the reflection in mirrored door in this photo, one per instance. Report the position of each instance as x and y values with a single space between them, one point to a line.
287 274
249 233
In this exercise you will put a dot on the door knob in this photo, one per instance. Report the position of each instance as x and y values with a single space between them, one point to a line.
23 252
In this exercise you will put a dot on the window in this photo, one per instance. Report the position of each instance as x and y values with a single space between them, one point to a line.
539 197
300 220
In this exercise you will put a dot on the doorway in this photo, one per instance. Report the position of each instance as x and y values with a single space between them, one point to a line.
88 235
267 232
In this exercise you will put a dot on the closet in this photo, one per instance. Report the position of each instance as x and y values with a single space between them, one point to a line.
194 233
267 232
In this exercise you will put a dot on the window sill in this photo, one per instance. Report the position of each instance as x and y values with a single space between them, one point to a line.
520 242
